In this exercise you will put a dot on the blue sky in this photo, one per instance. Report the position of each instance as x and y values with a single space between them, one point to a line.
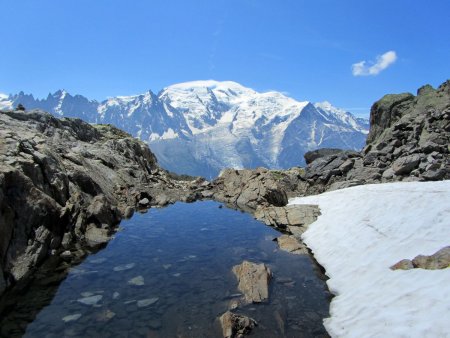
303 48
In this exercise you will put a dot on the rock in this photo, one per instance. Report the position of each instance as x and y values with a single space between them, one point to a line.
71 318
162 200
128 213
124 267
434 175
105 316
439 260
404 264
115 295
404 165
292 245
253 281
96 236
295 218
91 301
138 281
66 255
311 156
144 202
234 325
67 240
147 302
100 211
389 173
249 189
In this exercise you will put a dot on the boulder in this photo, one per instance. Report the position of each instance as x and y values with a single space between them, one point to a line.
294 218
96 236
404 165
100 211
253 281
292 245
235 325
439 260
313 155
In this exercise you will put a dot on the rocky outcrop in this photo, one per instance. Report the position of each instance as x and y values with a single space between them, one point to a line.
66 181
248 188
438 260
253 281
408 141
235 325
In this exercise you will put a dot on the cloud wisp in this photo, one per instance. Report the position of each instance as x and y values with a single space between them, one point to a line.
370 68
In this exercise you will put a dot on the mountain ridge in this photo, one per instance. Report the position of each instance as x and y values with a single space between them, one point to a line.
201 127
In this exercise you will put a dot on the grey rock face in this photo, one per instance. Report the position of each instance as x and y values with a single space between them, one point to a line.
66 181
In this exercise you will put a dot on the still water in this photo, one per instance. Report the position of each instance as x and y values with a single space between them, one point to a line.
168 274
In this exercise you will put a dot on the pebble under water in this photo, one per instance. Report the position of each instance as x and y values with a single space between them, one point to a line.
168 274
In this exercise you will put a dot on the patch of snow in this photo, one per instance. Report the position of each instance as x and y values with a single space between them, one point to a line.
168 134
364 230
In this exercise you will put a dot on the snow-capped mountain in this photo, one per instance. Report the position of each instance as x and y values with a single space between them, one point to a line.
201 127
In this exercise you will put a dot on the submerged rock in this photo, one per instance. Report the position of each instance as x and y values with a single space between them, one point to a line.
292 245
138 281
253 281
92 300
235 325
124 267
71 318
105 316
147 302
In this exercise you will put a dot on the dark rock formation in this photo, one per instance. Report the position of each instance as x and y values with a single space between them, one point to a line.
66 181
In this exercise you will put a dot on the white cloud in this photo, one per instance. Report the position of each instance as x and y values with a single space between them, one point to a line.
365 68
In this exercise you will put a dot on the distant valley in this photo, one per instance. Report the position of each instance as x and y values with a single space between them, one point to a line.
201 127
